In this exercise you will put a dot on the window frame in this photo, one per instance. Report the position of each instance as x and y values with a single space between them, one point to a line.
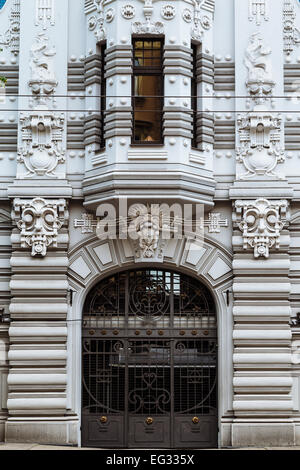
147 71
103 94
194 94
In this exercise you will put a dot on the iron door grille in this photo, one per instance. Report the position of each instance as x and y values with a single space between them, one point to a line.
149 362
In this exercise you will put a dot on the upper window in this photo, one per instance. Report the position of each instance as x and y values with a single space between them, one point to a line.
2 3
103 95
194 91
147 91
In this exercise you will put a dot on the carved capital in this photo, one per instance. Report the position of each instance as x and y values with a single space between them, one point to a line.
39 221
261 223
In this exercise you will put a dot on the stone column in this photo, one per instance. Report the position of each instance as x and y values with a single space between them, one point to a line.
262 336
37 381
5 247
261 195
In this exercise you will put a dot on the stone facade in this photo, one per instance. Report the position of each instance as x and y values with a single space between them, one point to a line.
243 170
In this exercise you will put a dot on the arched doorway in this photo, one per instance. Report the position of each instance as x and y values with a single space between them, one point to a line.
149 346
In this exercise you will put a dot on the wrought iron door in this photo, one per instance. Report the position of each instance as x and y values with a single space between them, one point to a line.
149 362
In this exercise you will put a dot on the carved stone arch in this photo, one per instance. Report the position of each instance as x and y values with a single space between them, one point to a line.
94 260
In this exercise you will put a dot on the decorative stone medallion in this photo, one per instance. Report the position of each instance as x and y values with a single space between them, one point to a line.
92 23
128 12
168 12
187 15
110 14
205 22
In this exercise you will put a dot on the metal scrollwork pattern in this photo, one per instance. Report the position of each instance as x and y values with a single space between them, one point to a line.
150 298
149 398
162 366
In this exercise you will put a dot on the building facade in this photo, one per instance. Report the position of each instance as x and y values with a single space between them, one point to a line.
123 123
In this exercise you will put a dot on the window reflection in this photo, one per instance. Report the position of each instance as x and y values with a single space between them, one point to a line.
148 91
